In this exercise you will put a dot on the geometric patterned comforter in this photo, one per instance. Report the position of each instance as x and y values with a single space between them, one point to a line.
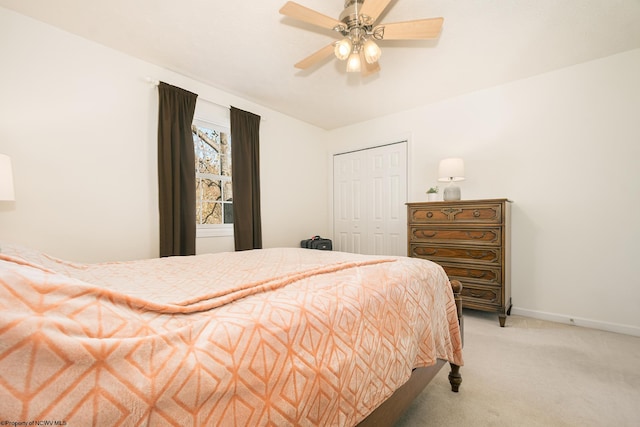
278 337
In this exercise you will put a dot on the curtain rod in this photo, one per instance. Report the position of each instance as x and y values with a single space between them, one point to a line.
157 82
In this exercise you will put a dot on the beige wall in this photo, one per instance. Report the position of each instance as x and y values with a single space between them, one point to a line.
79 122
564 146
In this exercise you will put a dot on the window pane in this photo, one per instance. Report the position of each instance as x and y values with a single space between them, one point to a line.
227 192
228 213
199 189
211 213
206 144
211 189
198 212
214 193
225 154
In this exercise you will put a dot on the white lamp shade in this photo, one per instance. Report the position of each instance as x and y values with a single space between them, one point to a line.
451 170
6 178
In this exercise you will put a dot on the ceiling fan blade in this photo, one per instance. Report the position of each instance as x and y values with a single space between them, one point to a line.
367 69
310 16
316 57
374 8
412 30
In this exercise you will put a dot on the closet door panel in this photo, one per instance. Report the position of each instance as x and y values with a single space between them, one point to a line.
370 190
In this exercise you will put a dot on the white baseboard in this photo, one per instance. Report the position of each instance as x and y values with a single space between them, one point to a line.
578 321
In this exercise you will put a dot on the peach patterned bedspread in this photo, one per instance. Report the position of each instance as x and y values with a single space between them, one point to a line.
264 337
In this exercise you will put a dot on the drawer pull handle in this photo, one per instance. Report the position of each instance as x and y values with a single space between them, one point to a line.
476 213
482 296
427 234
477 275
473 235
429 251
429 214
480 256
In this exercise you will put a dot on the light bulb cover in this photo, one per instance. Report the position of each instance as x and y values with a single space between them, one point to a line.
372 51
342 49
353 63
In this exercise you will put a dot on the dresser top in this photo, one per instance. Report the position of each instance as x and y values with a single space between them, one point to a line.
460 202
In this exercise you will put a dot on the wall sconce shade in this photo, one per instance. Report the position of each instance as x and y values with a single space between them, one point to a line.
451 170
6 178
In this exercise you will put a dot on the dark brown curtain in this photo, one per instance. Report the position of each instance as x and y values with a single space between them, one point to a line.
176 171
245 176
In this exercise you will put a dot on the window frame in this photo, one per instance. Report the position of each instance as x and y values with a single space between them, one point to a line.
212 230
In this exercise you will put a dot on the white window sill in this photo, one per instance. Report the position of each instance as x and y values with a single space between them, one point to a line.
214 231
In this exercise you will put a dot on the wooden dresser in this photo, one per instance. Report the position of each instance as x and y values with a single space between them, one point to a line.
470 239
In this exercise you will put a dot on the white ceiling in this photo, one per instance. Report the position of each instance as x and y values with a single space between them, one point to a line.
247 48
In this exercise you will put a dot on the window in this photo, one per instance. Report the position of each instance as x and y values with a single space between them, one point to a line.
214 197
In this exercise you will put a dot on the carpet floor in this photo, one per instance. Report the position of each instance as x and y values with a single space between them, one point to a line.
535 373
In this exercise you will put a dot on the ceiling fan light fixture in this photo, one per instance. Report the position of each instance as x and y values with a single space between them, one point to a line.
360 31
353 64
372 51
343 49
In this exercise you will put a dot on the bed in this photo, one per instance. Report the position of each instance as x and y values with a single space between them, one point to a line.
281 336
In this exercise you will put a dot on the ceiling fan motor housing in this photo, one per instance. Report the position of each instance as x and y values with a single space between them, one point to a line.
358 25
350 15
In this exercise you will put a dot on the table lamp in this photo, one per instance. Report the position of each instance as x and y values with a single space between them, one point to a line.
451 170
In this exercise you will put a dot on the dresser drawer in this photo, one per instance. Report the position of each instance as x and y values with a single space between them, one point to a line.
485 255
439 213
459 235
482 295
476 273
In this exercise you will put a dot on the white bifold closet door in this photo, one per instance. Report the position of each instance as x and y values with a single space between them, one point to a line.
369 196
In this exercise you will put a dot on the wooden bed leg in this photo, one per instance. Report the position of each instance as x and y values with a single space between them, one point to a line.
455 379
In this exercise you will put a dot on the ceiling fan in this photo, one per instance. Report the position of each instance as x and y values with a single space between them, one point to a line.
357 25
